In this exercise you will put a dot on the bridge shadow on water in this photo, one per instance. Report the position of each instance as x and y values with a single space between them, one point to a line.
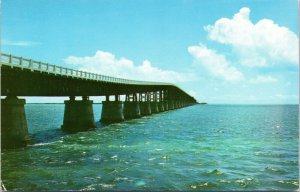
55 134
44 136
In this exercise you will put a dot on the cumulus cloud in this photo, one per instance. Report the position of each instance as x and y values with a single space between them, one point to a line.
216 64
263 79
260 44
107 63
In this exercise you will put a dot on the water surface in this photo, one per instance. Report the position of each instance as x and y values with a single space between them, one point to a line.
202 147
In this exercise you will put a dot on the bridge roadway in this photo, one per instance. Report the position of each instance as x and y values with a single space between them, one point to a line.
27 77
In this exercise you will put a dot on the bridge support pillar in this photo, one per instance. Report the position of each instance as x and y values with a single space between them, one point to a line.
131 109
145 108
171 105
161 106
78 116
176 105
14 132
154 107
166 106
112 112
179 104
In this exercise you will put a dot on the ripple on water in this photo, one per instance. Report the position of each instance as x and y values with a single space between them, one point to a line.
151 159
42 144
246 182
202 185
214 172
118 179
290 182
275 170
107 186
91 187
270 154
140 183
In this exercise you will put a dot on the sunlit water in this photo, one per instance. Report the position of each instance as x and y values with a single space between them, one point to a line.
202 147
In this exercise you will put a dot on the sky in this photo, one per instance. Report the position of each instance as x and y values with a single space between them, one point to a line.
219 51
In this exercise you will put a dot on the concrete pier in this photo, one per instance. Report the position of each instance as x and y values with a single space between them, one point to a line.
161 106
131 109
176 105
14 132
180 104
171 104
112 112
166 105
145 108
78 116
154 107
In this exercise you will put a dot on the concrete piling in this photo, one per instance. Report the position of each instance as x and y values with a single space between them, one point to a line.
171 104
14 132
131 109
154 107
78 115
166 105
161 106
176 105
112 112
145 108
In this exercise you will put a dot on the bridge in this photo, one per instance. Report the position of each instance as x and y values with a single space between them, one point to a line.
28 77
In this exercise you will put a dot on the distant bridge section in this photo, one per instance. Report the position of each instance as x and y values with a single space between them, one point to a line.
28 77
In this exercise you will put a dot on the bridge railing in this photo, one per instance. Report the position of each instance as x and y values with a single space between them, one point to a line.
33 65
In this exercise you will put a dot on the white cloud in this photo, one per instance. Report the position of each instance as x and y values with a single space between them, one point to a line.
215 63
107 64
262 44
19 43
263 79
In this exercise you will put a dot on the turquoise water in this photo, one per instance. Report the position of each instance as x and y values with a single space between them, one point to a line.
202 147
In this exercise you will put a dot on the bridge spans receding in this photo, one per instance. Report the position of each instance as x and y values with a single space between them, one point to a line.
28 77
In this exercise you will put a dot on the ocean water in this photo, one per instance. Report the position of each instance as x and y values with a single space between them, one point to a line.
202 147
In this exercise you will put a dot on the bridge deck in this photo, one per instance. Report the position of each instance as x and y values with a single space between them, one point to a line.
27 77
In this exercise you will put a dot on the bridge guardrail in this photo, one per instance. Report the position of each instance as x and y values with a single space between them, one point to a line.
33 65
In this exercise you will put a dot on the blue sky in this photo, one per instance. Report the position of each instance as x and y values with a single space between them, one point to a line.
220 51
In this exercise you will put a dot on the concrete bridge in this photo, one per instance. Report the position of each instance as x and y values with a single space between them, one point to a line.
27 77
